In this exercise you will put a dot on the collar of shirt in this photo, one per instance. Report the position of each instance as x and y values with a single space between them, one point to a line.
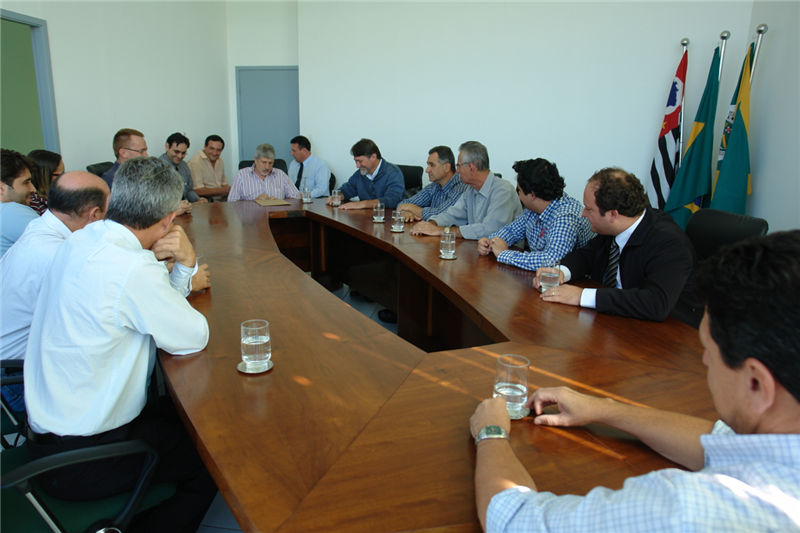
455 180
126 234
486 188
257 175
552 209
371 177
724 447
623 238
55 223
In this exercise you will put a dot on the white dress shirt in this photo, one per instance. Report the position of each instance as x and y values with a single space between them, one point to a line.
104 307
22 270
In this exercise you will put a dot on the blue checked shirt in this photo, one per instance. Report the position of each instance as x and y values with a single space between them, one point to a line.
551 235
749 483
433 199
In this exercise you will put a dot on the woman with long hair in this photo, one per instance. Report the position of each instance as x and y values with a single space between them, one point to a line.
49 166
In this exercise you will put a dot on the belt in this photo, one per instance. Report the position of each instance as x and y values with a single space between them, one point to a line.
47 438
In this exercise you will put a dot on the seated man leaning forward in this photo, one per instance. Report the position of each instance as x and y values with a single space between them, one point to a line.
444 190
375 181
641 256
480 211
747 464
262 181
551 222
105 306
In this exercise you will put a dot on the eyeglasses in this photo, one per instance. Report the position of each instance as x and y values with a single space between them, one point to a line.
137 151
459 165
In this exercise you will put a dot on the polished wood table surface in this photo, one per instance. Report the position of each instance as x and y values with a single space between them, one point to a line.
357 429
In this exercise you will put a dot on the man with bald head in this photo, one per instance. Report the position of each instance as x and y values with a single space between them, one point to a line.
75 200
128 143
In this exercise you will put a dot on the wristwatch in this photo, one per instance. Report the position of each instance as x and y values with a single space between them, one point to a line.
491 432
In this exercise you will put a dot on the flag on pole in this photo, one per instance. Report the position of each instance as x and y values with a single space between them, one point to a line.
732 183
667 159
693 180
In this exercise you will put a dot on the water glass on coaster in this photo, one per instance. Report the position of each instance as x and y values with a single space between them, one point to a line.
511 384
336 198
377 212
306 195
256 347
549 276
447 245
398 221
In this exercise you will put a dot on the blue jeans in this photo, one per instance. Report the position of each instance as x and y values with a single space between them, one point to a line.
14 394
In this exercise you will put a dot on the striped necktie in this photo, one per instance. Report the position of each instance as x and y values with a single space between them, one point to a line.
610 279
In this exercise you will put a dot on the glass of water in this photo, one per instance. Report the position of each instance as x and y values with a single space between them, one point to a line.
398 221
336 198
256 346
511 384
306 195
549 276
377 212
447 245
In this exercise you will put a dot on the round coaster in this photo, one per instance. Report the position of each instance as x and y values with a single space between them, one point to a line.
242 367
398 230
443 257
519 415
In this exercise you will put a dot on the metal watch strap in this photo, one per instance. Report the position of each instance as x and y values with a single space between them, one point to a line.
491 432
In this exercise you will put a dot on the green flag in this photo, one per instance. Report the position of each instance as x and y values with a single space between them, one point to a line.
693 180
732 184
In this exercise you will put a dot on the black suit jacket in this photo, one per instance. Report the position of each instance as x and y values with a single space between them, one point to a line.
654 265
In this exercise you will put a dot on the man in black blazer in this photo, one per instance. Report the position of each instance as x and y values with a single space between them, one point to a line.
651 260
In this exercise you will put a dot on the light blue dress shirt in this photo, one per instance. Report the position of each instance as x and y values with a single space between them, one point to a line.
480 213
749 483
14 218
316 176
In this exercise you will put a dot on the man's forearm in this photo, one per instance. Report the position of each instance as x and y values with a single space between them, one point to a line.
208 191
497 469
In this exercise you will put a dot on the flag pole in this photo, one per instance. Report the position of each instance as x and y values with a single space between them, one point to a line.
724 36
761 30
685 44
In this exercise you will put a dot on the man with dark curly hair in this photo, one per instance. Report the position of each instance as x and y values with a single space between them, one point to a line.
551 224
640 255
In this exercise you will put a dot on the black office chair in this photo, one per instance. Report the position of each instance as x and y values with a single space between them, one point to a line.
331 184
412 175
27 508
246 163
98 169
709 230
13 423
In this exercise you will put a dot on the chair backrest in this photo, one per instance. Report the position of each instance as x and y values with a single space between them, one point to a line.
331 183
710 229
412 175
279 163
98 169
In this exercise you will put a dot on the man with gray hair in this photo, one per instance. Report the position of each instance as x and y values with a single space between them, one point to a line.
491 204
444 190
106 305
262 181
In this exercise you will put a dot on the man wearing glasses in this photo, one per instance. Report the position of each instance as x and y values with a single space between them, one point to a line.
128 143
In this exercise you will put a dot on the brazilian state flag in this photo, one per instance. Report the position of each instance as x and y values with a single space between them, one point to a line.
732 183
693 180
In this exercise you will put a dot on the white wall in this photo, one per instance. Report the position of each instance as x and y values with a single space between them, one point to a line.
155 67
581 84
259 34
775 117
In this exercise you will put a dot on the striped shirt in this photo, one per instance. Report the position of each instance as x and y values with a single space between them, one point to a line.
552 235
435 198
247 185
749 483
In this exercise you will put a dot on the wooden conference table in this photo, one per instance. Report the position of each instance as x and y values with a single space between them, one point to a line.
357 429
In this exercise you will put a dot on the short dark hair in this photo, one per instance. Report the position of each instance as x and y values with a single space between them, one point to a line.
302 142
178 138
365 147
45 164
445 155
75 202
122 137
618 190
541 177
750 290
12 163
215 138
146 189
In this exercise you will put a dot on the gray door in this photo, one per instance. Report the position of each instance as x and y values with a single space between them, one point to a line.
269 109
